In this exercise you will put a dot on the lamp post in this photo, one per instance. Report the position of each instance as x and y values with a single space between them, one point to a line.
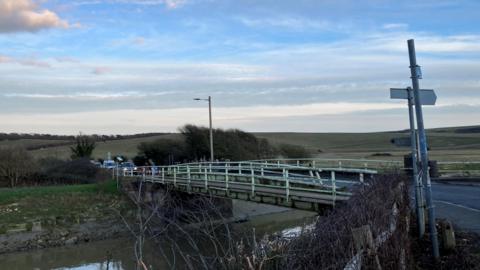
209 99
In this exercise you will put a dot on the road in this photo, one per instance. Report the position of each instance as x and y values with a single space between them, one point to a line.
459 204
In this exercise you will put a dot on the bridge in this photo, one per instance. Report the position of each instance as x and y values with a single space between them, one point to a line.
305 183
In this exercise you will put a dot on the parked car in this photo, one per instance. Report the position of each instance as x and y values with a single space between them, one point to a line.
109 164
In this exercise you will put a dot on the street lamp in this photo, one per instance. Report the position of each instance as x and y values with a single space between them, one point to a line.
209 99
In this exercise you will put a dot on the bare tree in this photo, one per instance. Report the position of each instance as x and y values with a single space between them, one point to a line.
15 164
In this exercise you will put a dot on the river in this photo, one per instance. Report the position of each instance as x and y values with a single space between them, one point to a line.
117 254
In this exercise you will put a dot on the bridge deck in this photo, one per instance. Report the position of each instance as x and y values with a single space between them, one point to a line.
265 182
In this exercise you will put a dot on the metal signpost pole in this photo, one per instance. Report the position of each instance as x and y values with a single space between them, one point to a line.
416 74
416 178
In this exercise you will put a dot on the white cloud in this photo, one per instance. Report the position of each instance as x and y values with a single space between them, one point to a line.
28 61
101 70
25 15
171 4
289 23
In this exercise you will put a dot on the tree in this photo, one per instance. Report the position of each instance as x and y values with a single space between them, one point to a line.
84 147
161 152
16 164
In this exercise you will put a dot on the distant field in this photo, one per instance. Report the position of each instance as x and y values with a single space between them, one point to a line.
126 147
447 144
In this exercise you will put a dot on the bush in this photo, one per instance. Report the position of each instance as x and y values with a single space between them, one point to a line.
293 151
162 151
16 165
230 144
56 171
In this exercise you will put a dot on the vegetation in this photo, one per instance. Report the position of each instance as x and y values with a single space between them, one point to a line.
67 202
84 147
16 165
194 145
162 151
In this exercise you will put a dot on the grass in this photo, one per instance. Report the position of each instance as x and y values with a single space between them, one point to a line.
71 203
125 147
447 144
11 195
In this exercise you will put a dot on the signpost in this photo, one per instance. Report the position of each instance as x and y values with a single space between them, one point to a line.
427 96
422 144
416 98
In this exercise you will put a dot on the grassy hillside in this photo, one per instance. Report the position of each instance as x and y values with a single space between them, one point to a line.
445 144
452 144
126 147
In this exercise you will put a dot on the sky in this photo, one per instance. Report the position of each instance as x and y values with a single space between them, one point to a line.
133 66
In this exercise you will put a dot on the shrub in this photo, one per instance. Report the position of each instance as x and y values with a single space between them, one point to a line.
56 171
293 151
162 151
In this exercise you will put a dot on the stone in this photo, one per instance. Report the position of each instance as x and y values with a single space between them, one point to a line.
71 241
448 235
37 226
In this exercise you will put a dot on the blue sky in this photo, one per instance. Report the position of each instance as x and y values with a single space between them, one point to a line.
129 66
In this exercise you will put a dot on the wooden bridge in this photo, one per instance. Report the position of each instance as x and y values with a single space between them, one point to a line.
298 185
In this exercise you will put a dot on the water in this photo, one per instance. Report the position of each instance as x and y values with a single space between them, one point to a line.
117 254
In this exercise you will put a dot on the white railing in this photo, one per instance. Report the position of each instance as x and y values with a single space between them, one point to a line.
285 181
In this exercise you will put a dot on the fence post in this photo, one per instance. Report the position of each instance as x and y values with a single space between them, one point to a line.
163 175
189 187
317 174
226 180
175 176
253 183
287 184
334 188
206 180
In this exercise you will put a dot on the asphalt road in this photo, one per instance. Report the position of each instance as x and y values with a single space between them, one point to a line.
458 203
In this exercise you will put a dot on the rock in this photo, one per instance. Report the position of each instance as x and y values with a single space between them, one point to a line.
63 233
71 241
37 226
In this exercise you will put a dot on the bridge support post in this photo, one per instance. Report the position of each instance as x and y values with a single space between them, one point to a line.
253 183
175 176
226 181
334 188
163 175
206 180
189 186
287 184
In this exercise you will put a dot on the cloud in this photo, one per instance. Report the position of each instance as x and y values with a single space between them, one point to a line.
171 4
395 26
25 15
88 96
30 61
287 23
101 70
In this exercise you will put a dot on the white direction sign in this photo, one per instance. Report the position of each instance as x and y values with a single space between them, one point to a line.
427 96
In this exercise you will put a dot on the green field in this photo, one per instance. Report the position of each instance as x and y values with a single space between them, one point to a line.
125 147
28 204
446 144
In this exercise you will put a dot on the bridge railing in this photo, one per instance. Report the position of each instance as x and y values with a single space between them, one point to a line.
356 164
276 180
